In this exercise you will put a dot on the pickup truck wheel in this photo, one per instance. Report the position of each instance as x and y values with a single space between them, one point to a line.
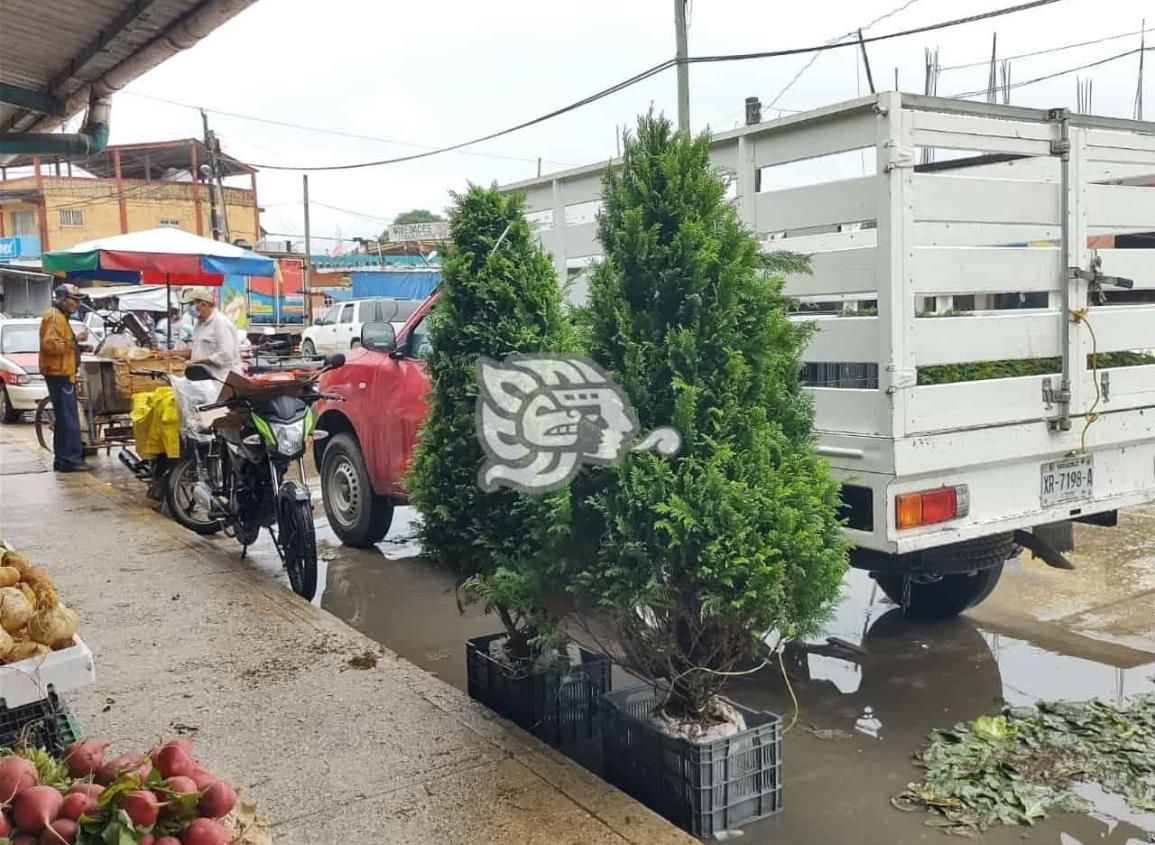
358 516
942 597
949 579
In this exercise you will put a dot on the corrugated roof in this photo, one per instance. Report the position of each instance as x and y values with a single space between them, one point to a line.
146 160
56 47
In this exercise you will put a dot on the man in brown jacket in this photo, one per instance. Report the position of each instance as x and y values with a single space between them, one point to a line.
59 361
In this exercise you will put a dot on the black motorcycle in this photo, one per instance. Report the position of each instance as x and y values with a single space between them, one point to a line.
240 480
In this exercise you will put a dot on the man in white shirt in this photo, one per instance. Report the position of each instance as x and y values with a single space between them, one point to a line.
214 341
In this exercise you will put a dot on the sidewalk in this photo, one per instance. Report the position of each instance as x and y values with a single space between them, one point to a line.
337 739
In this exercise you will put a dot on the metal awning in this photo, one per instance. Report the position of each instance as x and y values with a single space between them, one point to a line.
146 161
54 52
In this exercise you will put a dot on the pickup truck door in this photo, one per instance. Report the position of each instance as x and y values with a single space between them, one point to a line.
324 332
343 331
400 390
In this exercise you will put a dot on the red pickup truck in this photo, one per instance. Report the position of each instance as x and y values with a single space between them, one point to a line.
373 429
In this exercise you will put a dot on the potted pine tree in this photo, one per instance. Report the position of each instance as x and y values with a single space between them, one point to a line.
703 556
498 297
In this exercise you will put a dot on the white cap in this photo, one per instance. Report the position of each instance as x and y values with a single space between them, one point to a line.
191 295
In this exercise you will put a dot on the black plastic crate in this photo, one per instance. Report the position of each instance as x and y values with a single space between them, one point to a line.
559 706
704 788
43 724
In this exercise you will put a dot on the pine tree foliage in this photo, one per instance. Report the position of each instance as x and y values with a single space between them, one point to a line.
738 535
498 297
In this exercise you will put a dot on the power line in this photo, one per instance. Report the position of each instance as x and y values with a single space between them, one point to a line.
832 41
337 132
1058 73
653 71
351 211
605 92
1058 49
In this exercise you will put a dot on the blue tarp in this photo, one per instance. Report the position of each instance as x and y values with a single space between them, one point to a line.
394 285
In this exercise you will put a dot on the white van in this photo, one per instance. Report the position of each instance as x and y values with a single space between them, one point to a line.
339 327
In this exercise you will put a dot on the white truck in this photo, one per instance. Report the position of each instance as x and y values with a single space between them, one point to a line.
950 242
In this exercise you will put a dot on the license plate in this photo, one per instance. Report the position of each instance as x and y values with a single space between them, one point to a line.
1068 480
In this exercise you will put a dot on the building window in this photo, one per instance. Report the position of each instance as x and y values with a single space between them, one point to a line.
22 223
169 222
72 218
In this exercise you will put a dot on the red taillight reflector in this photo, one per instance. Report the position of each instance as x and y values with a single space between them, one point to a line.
930 506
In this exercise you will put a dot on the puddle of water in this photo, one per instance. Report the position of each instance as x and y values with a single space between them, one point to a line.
1112 809
910 678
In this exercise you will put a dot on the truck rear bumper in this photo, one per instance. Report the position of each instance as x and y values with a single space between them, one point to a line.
1006 494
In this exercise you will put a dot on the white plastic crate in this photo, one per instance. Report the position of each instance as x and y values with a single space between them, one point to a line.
31 680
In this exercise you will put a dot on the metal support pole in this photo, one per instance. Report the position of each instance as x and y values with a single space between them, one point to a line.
308 275
1062 148
682 53
866 62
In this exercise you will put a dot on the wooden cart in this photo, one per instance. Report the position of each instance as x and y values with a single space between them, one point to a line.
104 391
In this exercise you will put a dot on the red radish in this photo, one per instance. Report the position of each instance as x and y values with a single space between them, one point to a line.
60 832
218 800
92 790
84 757
147 839
24 839
173 759
181 785
76 804
36 808
205 832
142 807
166 840
124 764
16 775
202 778
5 824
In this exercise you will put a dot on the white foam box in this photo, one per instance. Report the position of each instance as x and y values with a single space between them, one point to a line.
26 681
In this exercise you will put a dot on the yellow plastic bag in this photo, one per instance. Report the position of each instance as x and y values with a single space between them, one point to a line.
156 423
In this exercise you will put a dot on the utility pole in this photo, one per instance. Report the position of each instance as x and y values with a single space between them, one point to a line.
308 281
218 214
683 52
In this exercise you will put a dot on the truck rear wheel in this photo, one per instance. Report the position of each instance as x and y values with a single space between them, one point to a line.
358 516
950 579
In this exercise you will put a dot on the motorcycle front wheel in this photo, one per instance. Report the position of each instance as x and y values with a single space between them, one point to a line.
297 537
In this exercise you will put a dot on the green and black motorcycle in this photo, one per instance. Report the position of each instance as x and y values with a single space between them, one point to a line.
241 480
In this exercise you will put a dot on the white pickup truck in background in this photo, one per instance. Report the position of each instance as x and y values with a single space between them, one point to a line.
338 327
985 297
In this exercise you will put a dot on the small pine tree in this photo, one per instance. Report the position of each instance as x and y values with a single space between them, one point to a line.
702 555
499 296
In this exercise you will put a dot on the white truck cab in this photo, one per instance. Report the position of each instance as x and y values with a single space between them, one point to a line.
983 285
338 327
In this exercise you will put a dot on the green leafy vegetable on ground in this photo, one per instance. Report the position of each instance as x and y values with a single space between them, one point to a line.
1013 768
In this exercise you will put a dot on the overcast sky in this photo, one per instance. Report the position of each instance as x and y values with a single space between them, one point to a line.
442 71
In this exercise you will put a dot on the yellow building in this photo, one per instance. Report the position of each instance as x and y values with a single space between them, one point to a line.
124 188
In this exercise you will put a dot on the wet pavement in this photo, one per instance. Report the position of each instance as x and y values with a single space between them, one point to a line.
1043 634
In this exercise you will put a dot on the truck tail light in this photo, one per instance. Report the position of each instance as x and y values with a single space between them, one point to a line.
928 507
